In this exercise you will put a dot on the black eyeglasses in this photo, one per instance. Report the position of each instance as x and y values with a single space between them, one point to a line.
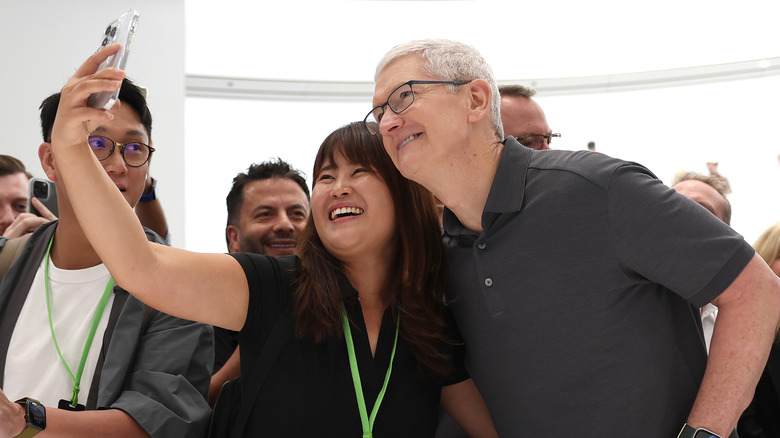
400 99
536 141
135 154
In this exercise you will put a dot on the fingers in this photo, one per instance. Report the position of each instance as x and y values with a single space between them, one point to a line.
41 207
90 66
23 224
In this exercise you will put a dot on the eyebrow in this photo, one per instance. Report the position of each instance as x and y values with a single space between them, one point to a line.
130 133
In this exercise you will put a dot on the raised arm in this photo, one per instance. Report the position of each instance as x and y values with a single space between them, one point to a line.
209 288
748 312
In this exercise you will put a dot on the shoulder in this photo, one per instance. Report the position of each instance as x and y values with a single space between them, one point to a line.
593 167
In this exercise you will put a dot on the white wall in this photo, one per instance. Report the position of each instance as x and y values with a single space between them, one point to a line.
42 42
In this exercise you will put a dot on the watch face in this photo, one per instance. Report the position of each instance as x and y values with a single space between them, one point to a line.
705 434
36 415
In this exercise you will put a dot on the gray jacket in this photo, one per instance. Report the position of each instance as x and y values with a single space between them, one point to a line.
152 365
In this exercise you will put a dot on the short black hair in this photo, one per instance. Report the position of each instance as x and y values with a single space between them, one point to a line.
277 168
129 94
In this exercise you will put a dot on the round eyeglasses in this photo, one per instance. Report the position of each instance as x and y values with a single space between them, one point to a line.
536 141
135 154
399 100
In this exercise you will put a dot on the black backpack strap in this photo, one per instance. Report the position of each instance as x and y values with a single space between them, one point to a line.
273 346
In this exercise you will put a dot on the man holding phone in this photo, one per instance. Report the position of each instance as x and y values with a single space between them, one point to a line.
146 373
15 221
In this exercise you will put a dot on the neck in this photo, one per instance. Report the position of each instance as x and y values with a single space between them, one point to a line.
369 278
465 184
71 249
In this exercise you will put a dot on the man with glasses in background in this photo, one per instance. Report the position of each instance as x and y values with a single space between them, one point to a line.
523 118
575 278
78 354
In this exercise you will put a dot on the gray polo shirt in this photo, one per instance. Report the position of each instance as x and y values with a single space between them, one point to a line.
577 301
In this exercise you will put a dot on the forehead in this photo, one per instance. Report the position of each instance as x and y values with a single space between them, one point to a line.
126 122
697 190
14 185
400 70
276 192
523 114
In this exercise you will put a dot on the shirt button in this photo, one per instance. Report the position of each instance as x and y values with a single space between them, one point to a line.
488 282
481 244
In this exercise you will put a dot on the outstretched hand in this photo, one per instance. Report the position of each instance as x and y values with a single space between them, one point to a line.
75 120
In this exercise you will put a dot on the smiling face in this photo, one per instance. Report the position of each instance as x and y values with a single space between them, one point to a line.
353 210
273 212
426 132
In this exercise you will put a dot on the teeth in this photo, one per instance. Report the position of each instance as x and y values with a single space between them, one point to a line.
408 139
343 211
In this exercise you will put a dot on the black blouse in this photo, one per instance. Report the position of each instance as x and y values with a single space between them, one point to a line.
309 390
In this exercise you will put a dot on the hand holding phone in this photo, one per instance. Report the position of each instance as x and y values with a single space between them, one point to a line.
46 192
119 31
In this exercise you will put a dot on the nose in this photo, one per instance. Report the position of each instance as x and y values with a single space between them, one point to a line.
390 121
340 188
115 162
6 217
284 224
545 146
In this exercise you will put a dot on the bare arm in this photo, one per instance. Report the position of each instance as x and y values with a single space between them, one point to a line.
748 312
465 405
151 213
209 288
64 424
230 370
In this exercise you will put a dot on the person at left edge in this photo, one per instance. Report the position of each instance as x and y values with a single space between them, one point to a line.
146 373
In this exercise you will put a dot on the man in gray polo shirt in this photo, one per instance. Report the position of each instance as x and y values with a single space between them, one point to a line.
575 277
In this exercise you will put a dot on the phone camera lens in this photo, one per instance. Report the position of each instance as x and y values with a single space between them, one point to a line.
105 42
113 32
108 30
40 189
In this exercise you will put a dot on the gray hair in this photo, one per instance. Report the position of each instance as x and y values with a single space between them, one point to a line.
713 181
450 60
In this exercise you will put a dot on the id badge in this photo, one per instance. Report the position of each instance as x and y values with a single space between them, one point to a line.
65 405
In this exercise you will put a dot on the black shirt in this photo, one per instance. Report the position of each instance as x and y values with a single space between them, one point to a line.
309 390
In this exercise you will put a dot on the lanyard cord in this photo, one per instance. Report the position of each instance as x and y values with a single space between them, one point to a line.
95 321
368 424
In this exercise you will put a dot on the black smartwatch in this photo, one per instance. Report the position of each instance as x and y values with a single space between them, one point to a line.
689 432
35 414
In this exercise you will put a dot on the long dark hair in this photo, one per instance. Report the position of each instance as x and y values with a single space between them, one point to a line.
415 284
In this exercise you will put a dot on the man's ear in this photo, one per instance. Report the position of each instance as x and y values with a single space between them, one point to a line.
481 97
48 163
232 235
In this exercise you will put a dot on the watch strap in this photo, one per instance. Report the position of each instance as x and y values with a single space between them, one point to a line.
151 196
690 432
31 430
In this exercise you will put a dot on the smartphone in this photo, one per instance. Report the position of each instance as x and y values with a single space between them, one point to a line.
119 31
44 190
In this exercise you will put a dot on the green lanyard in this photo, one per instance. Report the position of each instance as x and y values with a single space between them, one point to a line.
368 424
95 321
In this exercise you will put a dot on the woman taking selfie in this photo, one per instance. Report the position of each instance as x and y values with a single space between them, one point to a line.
372 348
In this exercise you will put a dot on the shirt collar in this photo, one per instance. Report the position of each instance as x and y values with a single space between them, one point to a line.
506 192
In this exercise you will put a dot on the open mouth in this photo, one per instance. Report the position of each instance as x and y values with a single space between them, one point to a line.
344 212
